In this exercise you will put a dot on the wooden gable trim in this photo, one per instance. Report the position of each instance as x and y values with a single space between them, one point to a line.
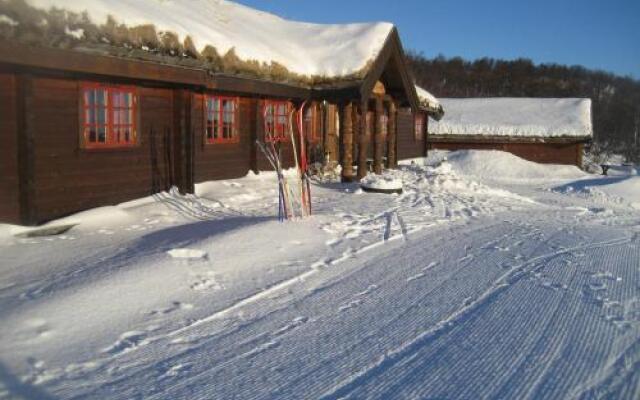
392 51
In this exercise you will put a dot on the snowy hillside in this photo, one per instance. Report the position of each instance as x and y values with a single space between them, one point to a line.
303 48
519 117
486 278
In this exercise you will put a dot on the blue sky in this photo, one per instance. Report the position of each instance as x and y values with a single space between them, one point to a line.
596 34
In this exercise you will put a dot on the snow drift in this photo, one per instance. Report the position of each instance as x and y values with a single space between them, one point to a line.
496 165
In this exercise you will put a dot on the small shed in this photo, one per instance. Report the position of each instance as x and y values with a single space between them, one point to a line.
545 130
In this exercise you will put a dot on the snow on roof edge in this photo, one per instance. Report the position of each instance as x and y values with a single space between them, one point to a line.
429 102
307 49
515 117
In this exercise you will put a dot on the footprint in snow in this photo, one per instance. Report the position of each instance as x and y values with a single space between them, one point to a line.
352 304
127 342
297 322
176 305
232 184
176 370
357 298
207 283
261 349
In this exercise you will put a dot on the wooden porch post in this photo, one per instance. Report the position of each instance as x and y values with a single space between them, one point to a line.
362 140
346 128
391 132
378 139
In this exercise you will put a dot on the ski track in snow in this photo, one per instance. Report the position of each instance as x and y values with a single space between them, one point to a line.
473 295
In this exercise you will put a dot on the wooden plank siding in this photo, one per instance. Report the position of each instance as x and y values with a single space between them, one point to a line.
223 160
68 178
549 153
408 145
9 182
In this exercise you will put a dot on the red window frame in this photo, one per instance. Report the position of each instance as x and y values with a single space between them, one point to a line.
419 126
311 124
225 129
111 122
276 120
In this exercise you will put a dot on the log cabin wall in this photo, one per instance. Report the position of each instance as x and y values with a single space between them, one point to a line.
9 175
68 178
223 160
549 153
330 131
408 146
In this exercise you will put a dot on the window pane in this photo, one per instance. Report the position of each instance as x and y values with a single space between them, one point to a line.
269 113
90 98
102 134
100 97
216 128
92 135
89 116
101 116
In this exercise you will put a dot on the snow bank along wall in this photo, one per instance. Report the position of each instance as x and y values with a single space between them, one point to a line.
548 152
538 129
58 156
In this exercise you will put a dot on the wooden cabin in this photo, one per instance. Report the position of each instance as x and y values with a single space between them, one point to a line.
86 125
544 130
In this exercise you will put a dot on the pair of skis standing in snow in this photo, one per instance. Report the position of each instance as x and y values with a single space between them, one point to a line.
271 148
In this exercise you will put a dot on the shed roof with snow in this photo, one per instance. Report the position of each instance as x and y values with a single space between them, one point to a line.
515 118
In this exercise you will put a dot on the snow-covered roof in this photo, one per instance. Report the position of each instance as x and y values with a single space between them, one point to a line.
516 117
303 48
429 102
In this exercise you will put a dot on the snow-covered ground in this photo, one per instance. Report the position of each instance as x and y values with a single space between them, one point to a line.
499 278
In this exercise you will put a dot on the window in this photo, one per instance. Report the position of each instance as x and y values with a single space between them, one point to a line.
276 121
108 116
311 124
419 126
222 119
